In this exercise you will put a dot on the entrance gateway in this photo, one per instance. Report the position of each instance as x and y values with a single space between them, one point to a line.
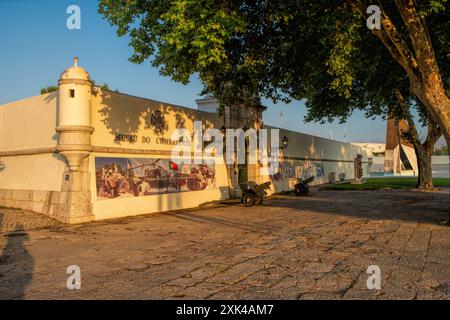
83 153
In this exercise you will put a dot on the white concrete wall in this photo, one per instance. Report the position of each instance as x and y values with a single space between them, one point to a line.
306 154
440 166
378 165
371 147
444 160
208 105
411 154
307 146
43 172
305 169
29 124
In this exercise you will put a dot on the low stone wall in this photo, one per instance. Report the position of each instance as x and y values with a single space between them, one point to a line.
50 203
37 201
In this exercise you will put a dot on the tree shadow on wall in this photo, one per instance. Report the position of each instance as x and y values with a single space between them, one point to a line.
123 113
16 263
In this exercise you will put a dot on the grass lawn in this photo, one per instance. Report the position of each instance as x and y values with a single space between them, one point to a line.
387 183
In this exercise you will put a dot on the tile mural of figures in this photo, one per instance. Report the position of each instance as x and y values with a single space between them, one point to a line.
304 171
310 169
320 171
134 177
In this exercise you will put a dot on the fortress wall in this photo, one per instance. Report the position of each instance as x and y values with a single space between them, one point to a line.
130 171
307 156
146 140
29 123
115 113
27 142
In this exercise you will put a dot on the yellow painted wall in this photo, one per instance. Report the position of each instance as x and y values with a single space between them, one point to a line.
29 123
113 113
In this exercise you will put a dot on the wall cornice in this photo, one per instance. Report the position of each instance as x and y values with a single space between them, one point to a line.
118 150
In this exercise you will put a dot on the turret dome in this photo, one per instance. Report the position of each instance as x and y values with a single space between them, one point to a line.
75 73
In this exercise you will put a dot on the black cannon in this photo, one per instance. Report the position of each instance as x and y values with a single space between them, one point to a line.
255 194
302 187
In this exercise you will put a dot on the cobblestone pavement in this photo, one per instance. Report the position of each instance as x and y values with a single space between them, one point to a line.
17 220
290 248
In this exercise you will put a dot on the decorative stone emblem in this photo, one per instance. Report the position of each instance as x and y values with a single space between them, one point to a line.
158 122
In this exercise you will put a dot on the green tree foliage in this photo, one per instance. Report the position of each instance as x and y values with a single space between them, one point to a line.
247 49
49 89
104 86
441 151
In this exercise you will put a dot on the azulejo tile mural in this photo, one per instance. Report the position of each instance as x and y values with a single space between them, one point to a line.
304 171
135 177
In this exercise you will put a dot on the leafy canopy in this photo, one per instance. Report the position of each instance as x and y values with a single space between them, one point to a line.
287 49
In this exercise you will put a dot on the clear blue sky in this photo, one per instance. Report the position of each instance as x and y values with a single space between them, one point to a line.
36 46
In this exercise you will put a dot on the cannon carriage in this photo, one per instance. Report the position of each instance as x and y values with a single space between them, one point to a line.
255 193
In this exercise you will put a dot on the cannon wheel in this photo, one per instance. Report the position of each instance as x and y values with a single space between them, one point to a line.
248 199
260 201
301 190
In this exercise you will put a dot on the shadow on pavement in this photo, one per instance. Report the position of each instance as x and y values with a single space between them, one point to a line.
16 263
401 205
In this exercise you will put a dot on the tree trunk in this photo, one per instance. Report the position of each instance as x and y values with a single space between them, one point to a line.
447 139
426 151
418 61
439 104
448 220
425 181
423 150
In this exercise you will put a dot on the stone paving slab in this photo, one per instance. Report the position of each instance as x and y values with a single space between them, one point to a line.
317 247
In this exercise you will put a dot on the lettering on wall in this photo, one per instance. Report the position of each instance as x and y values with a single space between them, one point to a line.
132 138
122 137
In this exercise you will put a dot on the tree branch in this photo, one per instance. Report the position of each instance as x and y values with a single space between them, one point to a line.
434 133
391 39
419 36
407 114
